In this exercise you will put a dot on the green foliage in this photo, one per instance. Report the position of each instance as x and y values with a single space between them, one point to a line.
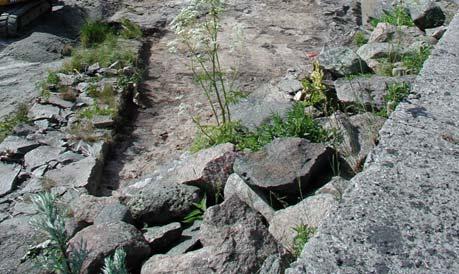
105 53
115 264
197 212
395 94
52 78
11 121
414 61
49 221
360 39
129 30
95 110
303 234
295 124
399 16
93 33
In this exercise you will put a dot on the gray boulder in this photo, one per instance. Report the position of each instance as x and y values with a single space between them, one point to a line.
360 134
342 61
379 50
309 212
286 166
38 47
403 35
235 240
208 169
259 107
86 208
157 202
115 212
84 173
9 175
236 186
426 13
367 92
102 241
161 237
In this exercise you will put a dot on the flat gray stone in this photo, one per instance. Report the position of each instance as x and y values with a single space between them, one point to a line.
260 106
9 174
39 111
400 214
84 173
336 187
41 156
160 237
17 145
342 61
114 212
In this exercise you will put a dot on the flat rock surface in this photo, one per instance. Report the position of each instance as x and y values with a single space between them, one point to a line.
8 176
400 214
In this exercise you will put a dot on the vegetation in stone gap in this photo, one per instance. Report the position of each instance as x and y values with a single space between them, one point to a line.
360 39
10 122
115 264
49 221
101 44
399 16
197 213
303 234
415 61
395 94
295 124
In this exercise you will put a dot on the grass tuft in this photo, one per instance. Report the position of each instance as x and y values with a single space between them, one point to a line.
399 16
296 124
94 32
13 120
395 94
303 234
129 30
360 39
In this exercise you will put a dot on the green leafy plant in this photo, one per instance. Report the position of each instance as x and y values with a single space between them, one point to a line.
49 221
11 121
94 110
295 124
395 94
415 61
115 264
360 39
303 234
399 16
94 32
197 213
129 30
52 78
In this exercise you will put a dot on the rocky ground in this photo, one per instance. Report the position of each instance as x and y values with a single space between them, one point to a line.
132 183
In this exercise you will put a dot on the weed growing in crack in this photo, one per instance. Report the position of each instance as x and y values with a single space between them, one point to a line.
303 234
360 39
295 124
415 61
395 94
197 212
399 16
11 121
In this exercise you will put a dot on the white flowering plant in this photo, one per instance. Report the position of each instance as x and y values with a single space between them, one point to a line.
197 27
